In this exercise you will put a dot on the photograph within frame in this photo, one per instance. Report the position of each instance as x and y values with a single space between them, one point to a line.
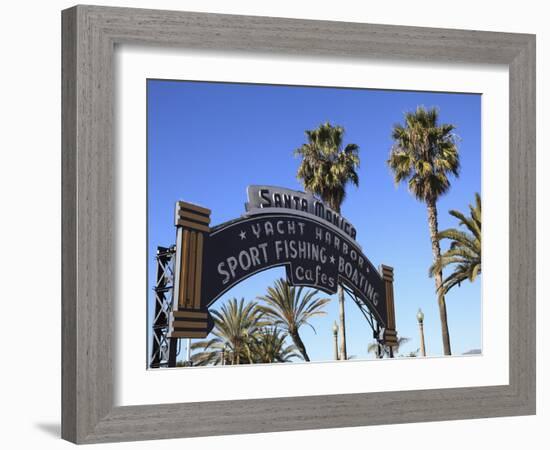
190 115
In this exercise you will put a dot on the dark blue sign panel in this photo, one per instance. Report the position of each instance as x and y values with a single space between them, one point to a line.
314 252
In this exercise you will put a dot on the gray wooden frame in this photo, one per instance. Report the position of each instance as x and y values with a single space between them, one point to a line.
88 199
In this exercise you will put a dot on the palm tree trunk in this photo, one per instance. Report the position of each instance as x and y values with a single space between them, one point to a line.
299 344
343 349
436 250
341 297
237 355
249 354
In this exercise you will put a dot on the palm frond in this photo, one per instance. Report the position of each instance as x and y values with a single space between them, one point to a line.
424 154
291 308
234 324
327 167
374 346
464 253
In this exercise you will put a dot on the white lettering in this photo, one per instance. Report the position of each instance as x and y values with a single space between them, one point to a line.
223 272
244 260
278 248
256 230
232 263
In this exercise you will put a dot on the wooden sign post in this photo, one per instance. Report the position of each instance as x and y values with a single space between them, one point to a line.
390 333
189 319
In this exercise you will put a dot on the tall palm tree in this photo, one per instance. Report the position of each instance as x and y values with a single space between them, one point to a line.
234 325
326 169
288 308
268 345
424 154
464 253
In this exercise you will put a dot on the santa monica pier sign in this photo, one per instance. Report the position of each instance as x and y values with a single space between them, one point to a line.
280 227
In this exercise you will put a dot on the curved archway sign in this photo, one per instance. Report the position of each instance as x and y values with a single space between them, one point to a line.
280 227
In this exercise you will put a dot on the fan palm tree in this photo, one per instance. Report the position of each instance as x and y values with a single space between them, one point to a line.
326 169
288 308
268 345
374 347
464 253
424 154
234 325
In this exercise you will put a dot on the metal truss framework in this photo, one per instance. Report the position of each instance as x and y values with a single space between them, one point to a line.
164 350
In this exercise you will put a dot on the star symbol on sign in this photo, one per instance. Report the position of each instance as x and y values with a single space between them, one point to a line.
242 234
332 259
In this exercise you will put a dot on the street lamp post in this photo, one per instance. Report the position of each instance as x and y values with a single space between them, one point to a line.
420 318
188 355
335 337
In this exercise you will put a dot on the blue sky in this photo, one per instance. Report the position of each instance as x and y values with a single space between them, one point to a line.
208 141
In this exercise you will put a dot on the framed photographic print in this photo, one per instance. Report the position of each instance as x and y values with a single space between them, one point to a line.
266 222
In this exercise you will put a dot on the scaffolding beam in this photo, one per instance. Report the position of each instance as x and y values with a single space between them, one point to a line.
163 349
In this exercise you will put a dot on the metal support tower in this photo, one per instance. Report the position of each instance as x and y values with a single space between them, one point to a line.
164 350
